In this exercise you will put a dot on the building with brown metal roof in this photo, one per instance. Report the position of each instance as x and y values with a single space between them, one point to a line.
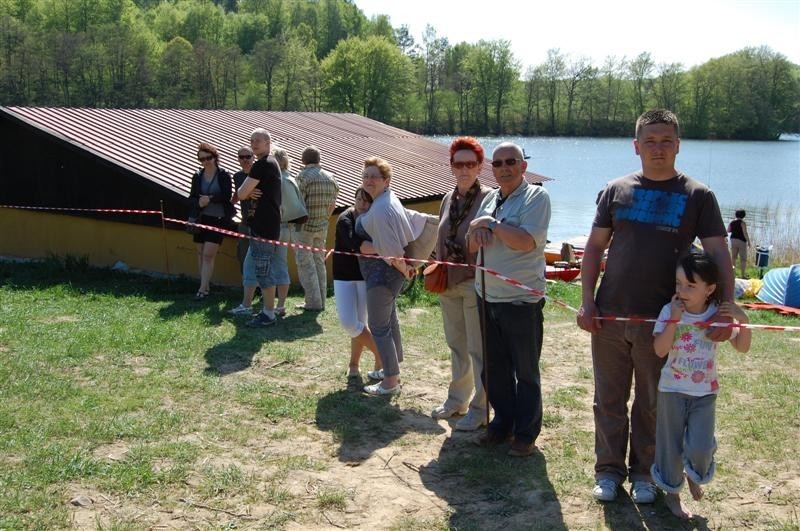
144 158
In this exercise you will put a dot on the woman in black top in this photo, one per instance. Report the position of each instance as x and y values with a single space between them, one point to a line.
210 197
349 288
740 241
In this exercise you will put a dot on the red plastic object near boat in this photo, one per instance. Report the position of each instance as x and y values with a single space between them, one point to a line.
559 273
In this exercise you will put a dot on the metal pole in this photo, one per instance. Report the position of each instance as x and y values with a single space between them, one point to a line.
485 372
164 234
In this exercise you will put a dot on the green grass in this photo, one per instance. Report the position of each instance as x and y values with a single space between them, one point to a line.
123 388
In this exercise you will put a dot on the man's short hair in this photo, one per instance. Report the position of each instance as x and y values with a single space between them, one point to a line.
245 150
658 116
261 132
310 155
512 145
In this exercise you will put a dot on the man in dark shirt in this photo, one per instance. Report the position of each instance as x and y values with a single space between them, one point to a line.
249 281
264 219
653 215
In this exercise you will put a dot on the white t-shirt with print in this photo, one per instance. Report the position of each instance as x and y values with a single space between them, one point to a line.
691 367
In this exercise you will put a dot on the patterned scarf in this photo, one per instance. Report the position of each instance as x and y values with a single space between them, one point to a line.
455 251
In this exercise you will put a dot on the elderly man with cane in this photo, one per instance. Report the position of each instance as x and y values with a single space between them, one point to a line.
510 230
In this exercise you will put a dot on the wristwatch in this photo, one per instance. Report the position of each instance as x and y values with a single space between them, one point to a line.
492 224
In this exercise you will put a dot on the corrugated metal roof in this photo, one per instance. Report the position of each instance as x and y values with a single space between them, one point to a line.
160 144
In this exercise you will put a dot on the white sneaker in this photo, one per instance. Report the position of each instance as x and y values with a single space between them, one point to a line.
473 420
378 390
643 492
376 375
442 412
605 490
241 310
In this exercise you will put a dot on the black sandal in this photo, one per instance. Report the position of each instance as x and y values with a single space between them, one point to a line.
200 295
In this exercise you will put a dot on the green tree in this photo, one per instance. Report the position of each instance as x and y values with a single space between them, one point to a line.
493 70
533 88
669 86
245 30
267 55
175 74
368 76
203 20
553 69
639 72
575 73
433 55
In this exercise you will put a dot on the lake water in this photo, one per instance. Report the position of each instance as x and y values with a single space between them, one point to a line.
750 175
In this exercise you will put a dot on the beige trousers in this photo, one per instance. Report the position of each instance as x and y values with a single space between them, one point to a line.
462 331
311 267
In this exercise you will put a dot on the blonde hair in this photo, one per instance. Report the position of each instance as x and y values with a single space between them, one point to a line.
384 167
282 157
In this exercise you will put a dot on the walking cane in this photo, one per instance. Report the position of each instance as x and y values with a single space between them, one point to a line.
485 375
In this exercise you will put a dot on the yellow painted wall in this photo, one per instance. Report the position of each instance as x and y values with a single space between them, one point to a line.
37 234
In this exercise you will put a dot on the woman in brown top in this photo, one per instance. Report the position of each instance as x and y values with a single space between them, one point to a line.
459 302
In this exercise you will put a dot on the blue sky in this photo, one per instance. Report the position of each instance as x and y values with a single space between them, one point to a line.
688 32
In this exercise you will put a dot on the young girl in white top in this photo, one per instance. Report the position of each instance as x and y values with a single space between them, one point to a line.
688 386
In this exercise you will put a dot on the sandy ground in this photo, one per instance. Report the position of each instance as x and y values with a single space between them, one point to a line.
410 476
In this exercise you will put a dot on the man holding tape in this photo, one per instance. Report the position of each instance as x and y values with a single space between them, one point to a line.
510 229
653 216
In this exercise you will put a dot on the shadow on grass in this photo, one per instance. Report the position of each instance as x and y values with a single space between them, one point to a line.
362 424
174 299
623 513
237 353
484 485
78 278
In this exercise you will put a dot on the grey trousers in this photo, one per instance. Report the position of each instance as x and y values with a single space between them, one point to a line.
685 440
383 286
462 330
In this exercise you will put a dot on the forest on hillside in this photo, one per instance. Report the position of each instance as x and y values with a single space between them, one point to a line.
326 55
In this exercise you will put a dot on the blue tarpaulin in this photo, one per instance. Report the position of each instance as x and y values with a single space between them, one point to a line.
781 286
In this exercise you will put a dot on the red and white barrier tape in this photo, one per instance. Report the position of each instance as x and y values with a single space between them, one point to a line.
328 252
67 209
490 271
712 324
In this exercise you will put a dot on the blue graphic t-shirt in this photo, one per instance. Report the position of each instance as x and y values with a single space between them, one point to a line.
653 224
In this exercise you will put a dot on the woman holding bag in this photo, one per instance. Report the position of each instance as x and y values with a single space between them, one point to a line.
210 198
459 301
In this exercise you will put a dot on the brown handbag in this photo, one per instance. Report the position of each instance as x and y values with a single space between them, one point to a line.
435 277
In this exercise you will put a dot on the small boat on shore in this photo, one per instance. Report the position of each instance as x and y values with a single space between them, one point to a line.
567 274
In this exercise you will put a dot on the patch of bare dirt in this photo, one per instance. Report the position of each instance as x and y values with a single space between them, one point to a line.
409 473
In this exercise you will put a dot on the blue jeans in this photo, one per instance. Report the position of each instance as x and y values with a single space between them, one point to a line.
684 440
280 263
249 270
262 255
513 332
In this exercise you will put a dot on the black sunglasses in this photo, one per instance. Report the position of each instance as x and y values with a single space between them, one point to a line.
205 159
508 162
245 157
466 164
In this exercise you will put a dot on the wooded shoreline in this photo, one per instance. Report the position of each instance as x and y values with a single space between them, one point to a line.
304 55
